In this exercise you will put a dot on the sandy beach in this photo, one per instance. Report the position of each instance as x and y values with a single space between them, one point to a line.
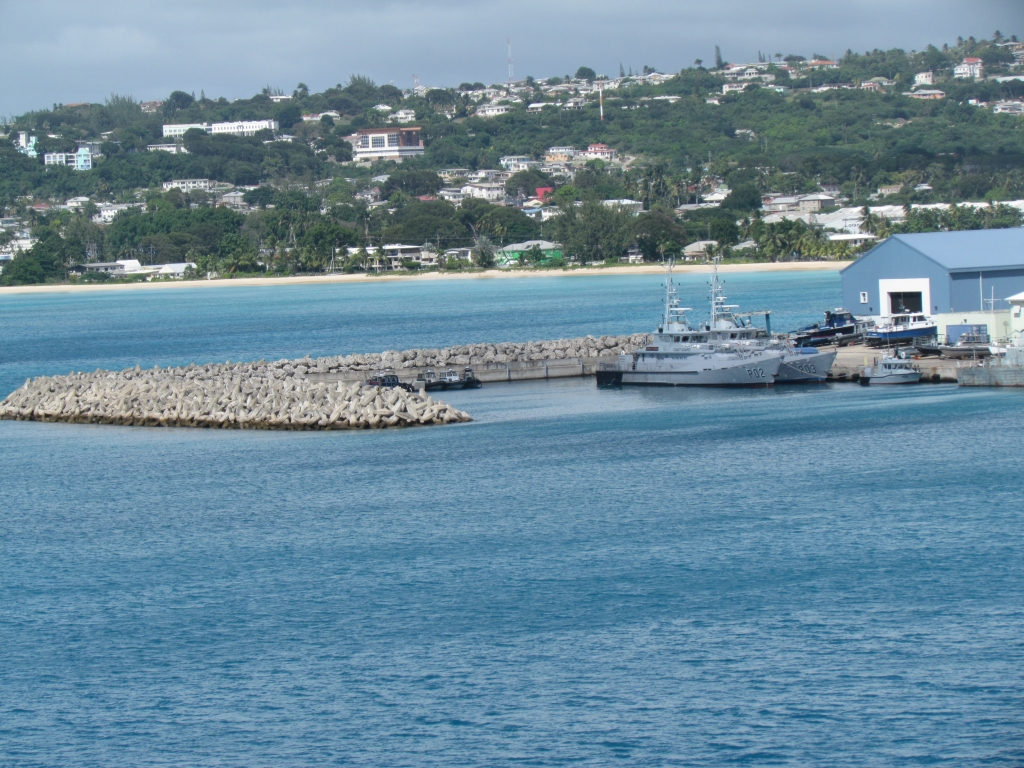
645 269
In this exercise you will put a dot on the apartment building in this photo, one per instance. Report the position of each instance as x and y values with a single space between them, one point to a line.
369 144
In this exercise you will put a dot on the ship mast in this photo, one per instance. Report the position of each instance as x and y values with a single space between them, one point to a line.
717 299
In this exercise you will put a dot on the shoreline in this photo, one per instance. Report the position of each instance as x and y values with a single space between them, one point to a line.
646 269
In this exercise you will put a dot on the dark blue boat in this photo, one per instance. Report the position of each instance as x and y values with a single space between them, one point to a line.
840 325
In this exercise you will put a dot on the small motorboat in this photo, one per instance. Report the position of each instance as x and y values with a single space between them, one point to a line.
968 346
890 370
388 379
450 379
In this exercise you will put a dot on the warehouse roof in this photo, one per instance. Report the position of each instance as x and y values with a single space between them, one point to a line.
972 250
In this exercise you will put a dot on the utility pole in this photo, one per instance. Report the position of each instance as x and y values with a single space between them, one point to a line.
600 96
511 71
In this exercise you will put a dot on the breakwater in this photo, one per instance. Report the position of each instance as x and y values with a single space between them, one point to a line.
306 393
470 354
242 396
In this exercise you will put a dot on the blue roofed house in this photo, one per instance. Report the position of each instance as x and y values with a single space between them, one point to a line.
953 277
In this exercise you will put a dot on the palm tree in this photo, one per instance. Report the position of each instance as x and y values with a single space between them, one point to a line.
483 252
774 242
869 222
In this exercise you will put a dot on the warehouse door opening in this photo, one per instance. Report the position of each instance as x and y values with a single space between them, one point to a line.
904 302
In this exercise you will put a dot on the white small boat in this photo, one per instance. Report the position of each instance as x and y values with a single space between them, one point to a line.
890 370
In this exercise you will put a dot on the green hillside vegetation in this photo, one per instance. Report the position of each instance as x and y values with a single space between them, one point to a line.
856 139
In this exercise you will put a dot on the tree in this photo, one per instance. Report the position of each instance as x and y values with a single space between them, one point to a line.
586 73
287 115
483 252
743 198
718 58
526 183
23 270
178 100
260 197
593 231
412 182
121 111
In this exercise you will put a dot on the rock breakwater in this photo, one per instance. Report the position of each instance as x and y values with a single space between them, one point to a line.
278 395
469 354
242 396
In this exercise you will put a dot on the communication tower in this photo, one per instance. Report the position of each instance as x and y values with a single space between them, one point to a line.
511 71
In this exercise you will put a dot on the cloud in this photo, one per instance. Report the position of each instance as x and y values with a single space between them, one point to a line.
64 51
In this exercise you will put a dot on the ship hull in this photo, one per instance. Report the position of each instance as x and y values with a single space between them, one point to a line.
704 371
799 368
907 335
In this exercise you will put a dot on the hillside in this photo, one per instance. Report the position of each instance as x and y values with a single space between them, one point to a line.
800 123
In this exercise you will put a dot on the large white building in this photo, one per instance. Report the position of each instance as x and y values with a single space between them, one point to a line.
370 144
493 110
188 185
178 130
492 191
80 160
243 127
969 69
240 128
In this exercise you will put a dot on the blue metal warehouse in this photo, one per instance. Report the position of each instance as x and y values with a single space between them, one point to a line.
937 273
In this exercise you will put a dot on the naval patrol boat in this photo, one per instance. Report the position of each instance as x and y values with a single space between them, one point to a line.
680 355
800 365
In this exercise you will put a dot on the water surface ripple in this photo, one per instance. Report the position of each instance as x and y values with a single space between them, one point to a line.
807 576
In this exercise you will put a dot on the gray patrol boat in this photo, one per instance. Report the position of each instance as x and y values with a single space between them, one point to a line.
800 365
681 355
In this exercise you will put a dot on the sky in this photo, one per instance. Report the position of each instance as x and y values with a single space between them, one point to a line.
67 51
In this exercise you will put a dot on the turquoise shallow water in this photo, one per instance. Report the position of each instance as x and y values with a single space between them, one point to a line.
806 576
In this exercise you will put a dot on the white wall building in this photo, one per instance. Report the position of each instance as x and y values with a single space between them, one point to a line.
369 144
174 149
176 131
924 78
969 69
240 128
491 191
80 160
188 185
243 127
403 116
493 110
599 152
107 211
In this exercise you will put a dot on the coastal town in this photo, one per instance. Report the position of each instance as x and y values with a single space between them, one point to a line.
362 171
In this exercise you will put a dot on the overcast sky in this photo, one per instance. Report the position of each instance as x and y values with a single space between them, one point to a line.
64 51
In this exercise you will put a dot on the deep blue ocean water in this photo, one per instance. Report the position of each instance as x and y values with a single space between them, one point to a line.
824 575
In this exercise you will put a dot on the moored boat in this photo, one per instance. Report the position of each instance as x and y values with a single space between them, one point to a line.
681 355
388 379
450 379
890 370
